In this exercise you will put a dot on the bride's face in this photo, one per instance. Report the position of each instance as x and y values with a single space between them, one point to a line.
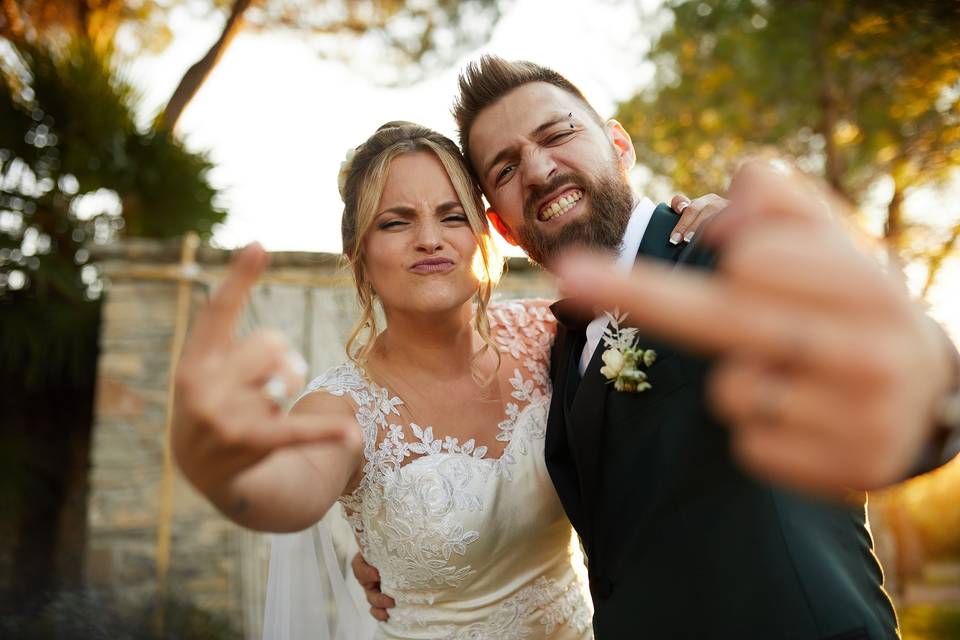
419 251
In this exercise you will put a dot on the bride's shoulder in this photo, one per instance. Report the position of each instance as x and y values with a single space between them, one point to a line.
522 326
521 312
341 380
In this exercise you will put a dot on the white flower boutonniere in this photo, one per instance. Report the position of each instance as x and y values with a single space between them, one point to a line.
622 358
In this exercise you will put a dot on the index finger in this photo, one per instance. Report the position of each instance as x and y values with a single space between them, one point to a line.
761 192
709 314
216 323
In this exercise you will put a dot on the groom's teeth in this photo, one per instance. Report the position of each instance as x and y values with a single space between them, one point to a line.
560 206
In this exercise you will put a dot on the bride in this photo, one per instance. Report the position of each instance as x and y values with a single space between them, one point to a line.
430 436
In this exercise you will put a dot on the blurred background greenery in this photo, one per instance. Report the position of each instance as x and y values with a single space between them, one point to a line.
865 94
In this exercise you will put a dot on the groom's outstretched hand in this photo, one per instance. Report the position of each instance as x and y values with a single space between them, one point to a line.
828 375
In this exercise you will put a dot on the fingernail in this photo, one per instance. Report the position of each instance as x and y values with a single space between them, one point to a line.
688 237
296 362
682 206
675 238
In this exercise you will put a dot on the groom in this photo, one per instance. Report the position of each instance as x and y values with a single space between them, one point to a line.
680 542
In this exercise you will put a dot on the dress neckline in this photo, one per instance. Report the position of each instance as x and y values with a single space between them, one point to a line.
386 403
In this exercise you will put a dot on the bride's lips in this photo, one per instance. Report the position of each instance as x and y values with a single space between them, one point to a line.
433 265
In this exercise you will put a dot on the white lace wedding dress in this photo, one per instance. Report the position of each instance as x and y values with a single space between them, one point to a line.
469 546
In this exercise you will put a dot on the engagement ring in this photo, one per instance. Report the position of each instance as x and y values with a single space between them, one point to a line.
275 390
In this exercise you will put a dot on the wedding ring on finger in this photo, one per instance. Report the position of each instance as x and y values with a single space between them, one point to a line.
275 390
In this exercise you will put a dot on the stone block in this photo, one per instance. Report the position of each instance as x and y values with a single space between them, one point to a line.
116 399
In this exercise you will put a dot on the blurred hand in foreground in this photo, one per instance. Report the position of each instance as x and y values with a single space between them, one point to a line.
827 374
229 413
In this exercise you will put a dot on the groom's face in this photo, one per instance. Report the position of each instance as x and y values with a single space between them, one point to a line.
553 174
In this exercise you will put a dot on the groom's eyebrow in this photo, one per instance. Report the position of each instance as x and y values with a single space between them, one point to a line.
553 121
506 152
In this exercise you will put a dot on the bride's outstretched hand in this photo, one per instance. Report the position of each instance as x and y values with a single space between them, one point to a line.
229 411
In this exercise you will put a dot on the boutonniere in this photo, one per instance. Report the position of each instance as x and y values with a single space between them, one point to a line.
622 358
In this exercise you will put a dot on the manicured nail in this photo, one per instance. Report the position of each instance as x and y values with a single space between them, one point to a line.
688 237
675 238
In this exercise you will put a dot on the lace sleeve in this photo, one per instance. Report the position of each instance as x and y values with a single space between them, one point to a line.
371 408
311 592
524 330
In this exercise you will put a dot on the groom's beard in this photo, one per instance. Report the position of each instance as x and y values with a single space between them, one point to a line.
611 203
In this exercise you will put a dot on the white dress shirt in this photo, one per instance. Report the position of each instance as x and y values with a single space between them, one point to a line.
636 227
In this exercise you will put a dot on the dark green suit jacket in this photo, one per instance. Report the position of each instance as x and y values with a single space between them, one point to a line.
680 542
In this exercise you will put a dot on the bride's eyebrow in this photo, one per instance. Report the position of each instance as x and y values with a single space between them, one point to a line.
448 206
400 210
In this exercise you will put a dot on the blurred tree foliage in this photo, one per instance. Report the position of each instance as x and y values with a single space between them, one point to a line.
860 92
393 41
74 167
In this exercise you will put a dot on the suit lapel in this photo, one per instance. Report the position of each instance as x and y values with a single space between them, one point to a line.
586 414
561 456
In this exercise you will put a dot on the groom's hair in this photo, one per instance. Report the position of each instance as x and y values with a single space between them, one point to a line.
488 79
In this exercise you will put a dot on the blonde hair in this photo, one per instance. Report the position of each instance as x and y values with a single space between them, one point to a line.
363 178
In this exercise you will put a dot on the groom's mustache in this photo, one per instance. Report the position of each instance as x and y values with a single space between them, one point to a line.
532 205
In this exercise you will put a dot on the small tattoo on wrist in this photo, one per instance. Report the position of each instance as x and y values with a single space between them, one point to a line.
241 505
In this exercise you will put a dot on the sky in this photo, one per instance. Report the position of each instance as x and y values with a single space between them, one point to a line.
277 119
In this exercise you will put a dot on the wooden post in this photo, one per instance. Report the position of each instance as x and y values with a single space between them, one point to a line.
186 277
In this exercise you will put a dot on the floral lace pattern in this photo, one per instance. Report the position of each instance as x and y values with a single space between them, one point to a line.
559 606
417 486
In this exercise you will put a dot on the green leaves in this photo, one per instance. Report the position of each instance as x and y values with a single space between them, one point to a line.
76 168
866 94
868 83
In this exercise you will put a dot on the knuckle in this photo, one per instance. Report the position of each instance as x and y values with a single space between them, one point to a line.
183 381
227 437
204 409
881 364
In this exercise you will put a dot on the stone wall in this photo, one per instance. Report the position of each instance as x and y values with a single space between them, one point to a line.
213 564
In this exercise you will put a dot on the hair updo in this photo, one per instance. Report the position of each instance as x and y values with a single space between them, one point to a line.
362 178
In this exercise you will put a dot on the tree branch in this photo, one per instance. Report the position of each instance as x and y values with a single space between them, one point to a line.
937 260
198 73
828 104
